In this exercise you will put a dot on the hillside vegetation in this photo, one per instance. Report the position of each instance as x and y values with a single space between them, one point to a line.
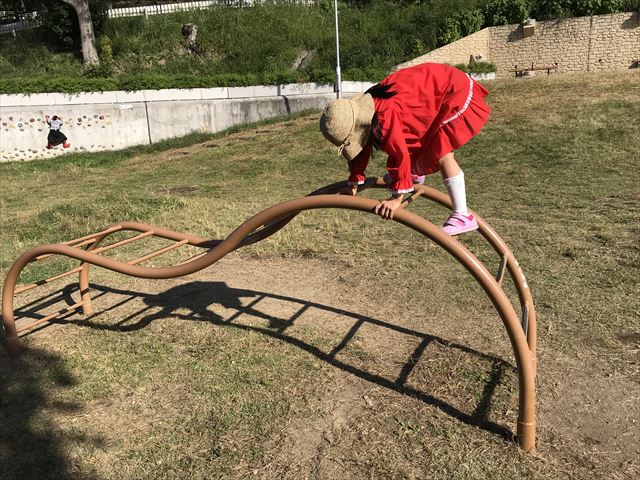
270 43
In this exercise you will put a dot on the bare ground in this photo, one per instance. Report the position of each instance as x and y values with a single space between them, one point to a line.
395 393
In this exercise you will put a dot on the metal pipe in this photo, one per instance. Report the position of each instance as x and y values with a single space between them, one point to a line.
498 244
281 214
30 286
338 73
155 253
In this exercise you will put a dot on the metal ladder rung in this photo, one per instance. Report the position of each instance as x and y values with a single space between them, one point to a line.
195 257
122 242
77 245
501 269
160 251
24 288
92 236
525 320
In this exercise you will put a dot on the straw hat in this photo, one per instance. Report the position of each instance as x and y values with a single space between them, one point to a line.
347 123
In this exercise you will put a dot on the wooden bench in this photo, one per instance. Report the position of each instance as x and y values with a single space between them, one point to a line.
519 71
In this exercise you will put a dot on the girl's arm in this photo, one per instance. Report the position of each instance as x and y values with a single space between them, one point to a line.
358 165
398 164
388 207
399 161
357 168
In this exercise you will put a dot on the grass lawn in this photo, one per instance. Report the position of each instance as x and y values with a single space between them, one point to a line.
343 346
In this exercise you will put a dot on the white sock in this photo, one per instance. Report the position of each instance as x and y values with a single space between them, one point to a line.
457 193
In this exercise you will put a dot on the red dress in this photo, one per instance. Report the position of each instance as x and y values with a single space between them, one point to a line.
436 109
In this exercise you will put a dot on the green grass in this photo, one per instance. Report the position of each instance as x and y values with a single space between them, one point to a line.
162 384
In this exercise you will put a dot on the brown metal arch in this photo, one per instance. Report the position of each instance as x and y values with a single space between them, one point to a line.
272 219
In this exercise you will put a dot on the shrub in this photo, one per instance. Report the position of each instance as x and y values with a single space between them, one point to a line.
155 81
504 12
460 24
476 67
106 66
548 9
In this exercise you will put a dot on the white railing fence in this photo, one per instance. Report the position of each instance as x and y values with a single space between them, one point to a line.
17 22
160 9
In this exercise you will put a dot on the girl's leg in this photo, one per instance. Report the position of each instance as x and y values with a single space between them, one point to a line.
459 221
453 178
448 166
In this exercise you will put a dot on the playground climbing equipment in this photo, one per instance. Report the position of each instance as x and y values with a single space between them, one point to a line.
521 329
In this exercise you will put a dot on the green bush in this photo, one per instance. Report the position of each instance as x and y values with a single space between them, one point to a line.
504 12
460 24
476 67
44 84
548 9
155 81
106 67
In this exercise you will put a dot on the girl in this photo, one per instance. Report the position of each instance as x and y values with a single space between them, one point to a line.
418 116
56 137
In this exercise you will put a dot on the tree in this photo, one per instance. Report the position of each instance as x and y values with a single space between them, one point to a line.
71 25
505 12
87 35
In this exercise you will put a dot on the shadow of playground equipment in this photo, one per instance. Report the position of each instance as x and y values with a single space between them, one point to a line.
87 249
198 297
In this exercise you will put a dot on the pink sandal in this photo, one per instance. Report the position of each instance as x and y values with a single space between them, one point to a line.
458 223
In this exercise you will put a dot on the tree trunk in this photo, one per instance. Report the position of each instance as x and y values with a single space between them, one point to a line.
87 37
190 32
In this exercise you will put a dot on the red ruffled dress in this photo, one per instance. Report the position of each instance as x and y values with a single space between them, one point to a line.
436 109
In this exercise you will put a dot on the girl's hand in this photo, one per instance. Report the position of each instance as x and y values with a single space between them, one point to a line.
349 190
387 207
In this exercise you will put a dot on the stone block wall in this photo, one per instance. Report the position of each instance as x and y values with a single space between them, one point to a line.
580 44
615 41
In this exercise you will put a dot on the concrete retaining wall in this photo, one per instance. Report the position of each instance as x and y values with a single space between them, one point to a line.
115 120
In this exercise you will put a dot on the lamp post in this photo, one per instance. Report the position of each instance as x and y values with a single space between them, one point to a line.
338 77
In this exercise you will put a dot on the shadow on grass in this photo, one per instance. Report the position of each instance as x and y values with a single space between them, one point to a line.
198 297
31 446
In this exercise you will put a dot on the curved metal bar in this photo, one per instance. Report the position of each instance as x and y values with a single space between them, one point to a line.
515 271
87 307
272 219
496 242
